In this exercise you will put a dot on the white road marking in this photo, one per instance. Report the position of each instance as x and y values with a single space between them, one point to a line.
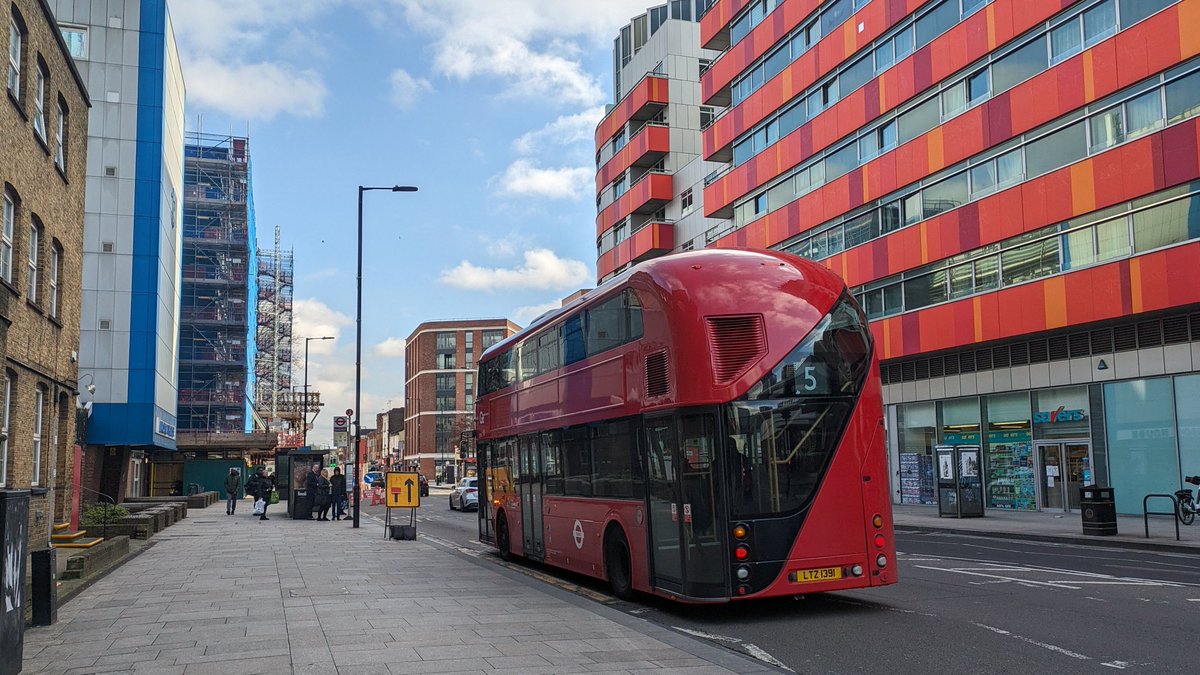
1119 665
761 654
1043 645
1193 599
751 648
997 576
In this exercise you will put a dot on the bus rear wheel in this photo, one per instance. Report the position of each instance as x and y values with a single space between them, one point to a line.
502 540
617 566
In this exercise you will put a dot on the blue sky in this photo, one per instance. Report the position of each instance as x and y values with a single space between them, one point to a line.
488 107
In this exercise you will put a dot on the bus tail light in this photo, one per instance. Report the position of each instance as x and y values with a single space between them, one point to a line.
879 541
877 521
740 532
742 552
881 561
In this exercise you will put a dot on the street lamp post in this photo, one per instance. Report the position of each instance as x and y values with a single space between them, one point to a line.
358 349
304 412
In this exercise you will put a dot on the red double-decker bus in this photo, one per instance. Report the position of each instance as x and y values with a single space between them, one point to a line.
706 426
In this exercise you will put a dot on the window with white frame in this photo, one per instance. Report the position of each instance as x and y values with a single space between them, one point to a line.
6 239
34 242
55 257
38 400
4 431
39 103
14 58
686 202
60 138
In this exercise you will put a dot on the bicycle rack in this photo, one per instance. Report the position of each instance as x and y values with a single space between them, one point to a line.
1174 514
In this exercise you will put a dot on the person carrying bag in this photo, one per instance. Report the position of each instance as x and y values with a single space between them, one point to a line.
260 487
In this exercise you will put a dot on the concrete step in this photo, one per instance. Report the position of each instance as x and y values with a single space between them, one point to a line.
59 527
68 536
79 543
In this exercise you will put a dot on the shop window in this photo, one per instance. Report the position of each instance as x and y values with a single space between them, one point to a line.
1011 483
1061 414
917 424
960 421
1187 392
1142 457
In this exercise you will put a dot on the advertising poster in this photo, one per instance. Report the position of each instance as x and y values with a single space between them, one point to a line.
945 466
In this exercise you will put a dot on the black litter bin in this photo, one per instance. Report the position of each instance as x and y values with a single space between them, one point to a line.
1099 510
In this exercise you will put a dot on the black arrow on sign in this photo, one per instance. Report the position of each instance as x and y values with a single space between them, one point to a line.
408 484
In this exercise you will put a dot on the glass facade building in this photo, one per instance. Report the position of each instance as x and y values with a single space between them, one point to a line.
1012 192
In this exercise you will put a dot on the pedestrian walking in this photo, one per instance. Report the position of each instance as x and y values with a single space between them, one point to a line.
233 483
337 489
323 487
260 487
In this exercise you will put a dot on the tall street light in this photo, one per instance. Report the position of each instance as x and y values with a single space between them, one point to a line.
358 351
304 412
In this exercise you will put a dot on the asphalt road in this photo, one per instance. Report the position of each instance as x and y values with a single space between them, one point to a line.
964 604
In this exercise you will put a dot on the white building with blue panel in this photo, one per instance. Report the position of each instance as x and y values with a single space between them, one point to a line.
126 52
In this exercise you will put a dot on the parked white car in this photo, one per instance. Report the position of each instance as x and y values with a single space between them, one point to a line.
465 495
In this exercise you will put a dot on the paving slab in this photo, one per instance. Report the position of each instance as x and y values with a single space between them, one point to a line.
221 595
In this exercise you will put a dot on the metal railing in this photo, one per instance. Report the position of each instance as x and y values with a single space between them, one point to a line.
105 498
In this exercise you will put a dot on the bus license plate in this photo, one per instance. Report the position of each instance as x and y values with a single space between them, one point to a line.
819 574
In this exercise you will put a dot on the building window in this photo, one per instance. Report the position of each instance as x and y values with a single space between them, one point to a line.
55 257
14 58
76 38
39 103
4 414
686 202
491 337
31 287
60 138
6 239
620 186
38 400
446 341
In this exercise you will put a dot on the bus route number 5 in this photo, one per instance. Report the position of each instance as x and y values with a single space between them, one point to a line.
810 379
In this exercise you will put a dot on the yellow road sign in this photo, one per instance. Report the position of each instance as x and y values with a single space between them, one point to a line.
403 489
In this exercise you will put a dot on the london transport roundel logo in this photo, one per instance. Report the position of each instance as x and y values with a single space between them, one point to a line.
577 532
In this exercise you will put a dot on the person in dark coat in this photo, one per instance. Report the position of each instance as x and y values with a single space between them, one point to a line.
261 487
337 490
233 483
311 481
323 495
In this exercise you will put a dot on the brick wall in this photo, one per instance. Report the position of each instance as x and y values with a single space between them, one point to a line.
41 336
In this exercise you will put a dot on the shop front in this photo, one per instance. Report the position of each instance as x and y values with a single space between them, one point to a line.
1036 445
1040 447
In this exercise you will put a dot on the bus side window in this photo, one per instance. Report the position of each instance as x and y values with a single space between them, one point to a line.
572 336
552 462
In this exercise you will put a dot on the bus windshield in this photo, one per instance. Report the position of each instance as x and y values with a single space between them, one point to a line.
782 434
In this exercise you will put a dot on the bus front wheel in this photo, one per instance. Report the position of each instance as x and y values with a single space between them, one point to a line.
616 564
502 541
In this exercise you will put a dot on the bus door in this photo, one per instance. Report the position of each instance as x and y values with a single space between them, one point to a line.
530 492
686 537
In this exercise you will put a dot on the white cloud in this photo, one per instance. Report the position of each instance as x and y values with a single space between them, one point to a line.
530 45
313 318
391 348
215 26
406 89
565 130
543 269
524 316
526 179
255 91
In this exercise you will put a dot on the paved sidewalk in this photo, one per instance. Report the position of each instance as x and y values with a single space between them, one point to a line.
218 594
1053 526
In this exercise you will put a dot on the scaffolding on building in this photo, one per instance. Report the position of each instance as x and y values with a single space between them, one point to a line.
215 314
273 363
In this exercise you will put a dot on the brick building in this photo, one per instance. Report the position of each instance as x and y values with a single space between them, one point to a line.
43 146
439 392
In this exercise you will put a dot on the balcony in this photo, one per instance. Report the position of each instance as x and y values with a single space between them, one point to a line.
649 194
651 241
646 148
645 100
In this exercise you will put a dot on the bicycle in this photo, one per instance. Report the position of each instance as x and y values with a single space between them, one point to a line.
1188 508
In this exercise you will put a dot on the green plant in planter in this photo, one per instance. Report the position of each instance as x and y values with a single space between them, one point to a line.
103 514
